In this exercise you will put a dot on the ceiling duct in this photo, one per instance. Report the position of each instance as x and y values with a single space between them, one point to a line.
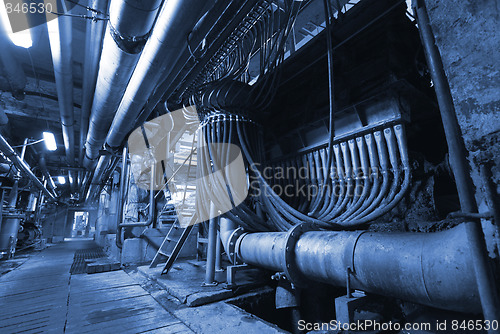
93 46
175 21
129 26
166 44
60 36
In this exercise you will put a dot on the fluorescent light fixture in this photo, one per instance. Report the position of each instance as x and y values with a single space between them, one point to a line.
61 180
20 38
50 141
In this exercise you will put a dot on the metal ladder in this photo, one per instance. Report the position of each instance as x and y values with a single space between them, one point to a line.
172 245
176 237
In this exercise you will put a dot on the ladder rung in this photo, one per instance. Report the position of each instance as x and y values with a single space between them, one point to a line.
163 253
172 239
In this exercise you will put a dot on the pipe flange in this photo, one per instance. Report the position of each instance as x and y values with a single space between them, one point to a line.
232 245
290 269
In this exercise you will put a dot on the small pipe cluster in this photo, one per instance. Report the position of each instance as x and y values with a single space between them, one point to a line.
364 179
367 176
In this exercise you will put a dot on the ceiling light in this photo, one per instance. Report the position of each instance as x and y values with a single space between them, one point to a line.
61 180
20 38
50 141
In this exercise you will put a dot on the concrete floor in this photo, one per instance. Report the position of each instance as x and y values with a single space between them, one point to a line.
41 296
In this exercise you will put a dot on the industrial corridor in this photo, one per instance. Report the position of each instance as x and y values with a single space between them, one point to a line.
41 296
250 166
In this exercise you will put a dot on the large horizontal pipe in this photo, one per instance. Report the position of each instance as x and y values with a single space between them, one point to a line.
60 37
23 167
93 46
166 44
130 23
433 269
45 172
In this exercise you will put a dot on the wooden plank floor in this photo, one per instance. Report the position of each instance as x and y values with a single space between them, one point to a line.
42 297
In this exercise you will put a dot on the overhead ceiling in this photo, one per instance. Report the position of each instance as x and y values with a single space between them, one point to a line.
38 111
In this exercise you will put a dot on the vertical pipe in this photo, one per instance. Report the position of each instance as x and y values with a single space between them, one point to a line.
461 171
218 253
492 199
212 239
121 195
1 208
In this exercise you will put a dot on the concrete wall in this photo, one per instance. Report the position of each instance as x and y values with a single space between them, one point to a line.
54 227
466 33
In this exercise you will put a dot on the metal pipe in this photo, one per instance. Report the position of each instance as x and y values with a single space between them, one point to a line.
218 253
492 199
166 44
96 177
211 250
460 166
93 47
22 166
60 36
123 185
1 207
130 23
433 269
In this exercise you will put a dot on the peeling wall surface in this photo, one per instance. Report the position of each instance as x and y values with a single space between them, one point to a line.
468 39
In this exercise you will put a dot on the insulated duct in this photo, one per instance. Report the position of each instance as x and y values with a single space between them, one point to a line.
165 46
45 172
130 23
60 36
93 46
23 167
425 268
